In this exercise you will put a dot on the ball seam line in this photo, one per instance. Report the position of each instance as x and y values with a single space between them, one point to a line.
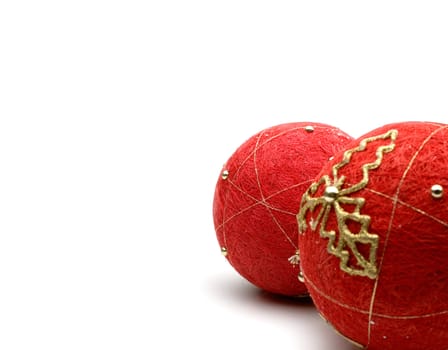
264 199
366 312
395 201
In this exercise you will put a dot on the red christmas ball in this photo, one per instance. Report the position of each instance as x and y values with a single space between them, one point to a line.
374 238
258 195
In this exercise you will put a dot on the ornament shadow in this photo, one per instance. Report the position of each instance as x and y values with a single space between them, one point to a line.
291 312
236 289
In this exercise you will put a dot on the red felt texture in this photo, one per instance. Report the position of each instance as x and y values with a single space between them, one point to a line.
406 305
255 207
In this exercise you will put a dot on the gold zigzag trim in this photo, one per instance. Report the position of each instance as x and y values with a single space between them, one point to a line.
344 244
392 134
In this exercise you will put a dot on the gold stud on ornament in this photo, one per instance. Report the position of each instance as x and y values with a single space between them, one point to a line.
224 251
225 174
309 128
436 191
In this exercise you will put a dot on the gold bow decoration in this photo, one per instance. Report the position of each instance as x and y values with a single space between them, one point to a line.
335 197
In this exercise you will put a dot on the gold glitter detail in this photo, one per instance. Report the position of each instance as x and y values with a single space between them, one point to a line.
224 251
225 174
295 259
335 197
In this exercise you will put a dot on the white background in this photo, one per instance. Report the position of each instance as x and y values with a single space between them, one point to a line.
115 119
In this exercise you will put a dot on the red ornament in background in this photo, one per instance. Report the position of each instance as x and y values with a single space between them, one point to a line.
374 238
257 197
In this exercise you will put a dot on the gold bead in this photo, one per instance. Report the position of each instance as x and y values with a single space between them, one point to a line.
301 277
224 251
331 193
309 128
225 174
436 191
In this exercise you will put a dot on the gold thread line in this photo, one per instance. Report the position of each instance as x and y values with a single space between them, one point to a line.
407 205
289 188
366 312
248 157
258 202
255 149
329 298
389 229
434 124
264 199
263 202
270 139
